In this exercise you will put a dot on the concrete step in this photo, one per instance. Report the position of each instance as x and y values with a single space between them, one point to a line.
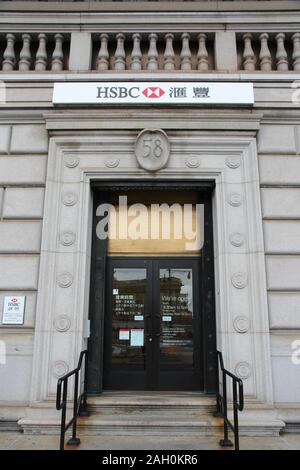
151 413
181 402
123 425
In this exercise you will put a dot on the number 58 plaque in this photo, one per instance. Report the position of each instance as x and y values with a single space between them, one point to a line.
152 149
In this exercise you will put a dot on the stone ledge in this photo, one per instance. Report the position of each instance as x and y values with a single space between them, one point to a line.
135 118
250 5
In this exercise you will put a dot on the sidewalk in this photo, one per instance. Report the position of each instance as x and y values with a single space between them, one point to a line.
18 441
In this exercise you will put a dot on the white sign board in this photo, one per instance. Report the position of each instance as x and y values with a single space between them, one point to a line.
196 93
13 310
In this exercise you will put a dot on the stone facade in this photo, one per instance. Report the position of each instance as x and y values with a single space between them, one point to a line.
49 155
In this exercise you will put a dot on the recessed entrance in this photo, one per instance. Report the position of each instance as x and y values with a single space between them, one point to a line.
152 301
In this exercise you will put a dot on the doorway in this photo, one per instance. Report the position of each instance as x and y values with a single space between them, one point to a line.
152 305
153 325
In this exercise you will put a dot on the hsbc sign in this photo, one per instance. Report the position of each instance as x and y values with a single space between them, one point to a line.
197 93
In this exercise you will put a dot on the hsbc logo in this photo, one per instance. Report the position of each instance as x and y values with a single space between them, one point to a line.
153 92
132 92
118 92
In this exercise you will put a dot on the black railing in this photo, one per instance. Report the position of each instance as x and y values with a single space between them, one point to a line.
222 404
79 401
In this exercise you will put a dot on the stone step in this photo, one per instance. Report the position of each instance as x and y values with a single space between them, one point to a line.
148 411
149 403
151 413
134 424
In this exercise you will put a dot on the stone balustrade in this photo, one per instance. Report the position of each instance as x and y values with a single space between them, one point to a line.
39 52
268 51
153 52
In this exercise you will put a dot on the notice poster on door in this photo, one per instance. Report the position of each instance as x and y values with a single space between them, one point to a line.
137 337
123 334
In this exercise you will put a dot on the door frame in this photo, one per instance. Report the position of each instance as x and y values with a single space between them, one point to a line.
98 278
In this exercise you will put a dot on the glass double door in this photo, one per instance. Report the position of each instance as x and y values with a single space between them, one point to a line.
152 325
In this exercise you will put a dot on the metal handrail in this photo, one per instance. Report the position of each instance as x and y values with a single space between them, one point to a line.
222 404
79 402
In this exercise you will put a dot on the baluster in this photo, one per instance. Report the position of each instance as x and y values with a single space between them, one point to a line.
136 55
41 55
152 52
120 52
169 56
25 54
202 55
296 51
265 54
57 63
9 53
103 55
185 55
281 54
248 55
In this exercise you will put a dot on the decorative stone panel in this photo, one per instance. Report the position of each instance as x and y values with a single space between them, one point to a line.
231 265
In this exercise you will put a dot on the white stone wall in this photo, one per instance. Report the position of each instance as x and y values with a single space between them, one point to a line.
23 158
279 163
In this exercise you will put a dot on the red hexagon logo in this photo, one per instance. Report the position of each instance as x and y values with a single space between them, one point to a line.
153 92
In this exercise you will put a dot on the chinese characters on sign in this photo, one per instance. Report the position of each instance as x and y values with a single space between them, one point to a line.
127 305
181 92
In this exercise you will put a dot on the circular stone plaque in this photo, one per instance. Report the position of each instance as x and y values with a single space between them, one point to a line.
67 238
236 239
239 280
241 324
243 370
60 368
152 149
65 279
233 162
62 323
235 199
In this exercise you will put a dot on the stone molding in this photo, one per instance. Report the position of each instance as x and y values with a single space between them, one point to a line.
187 118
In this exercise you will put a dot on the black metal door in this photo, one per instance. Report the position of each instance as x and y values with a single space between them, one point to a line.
153 325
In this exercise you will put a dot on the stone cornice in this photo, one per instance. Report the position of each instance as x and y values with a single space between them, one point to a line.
176 21
219 6
256 76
